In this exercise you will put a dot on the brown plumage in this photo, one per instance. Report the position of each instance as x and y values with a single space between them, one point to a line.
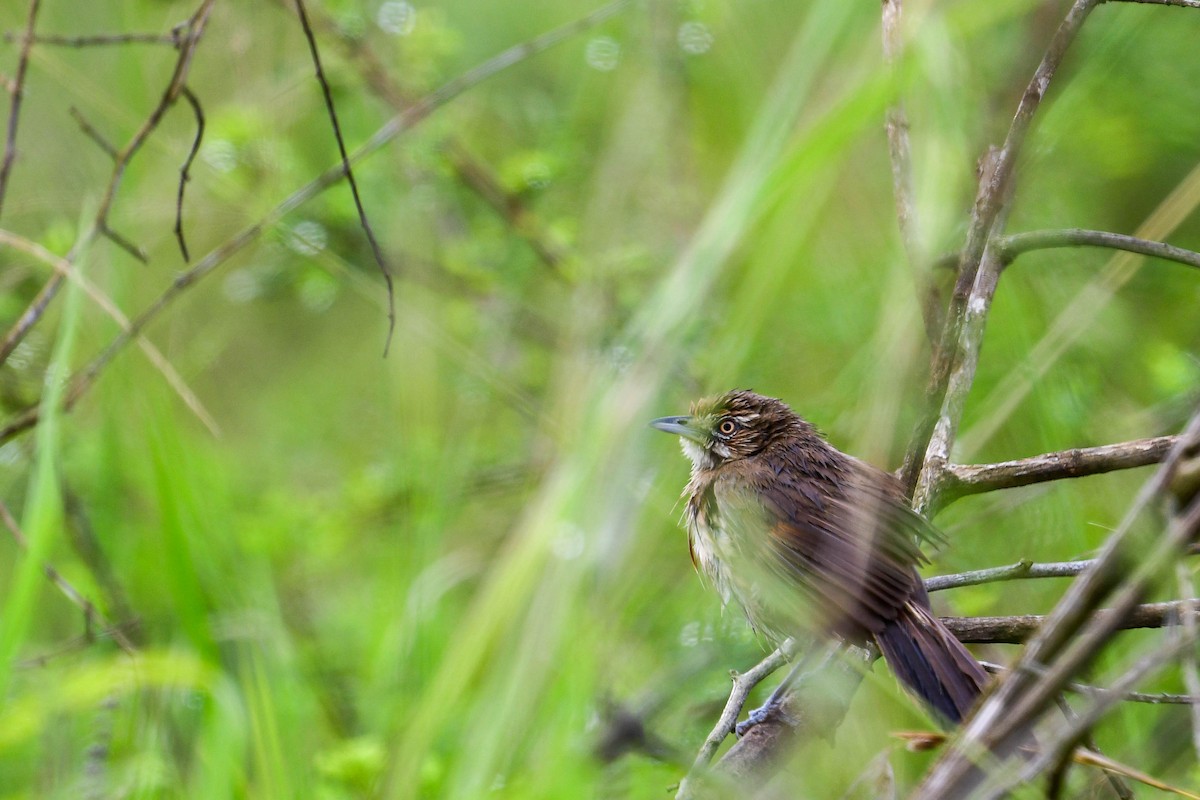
803 536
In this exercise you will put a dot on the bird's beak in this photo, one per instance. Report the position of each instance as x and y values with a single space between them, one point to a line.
680 426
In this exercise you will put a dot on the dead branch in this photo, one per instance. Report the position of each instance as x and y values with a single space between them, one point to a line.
1015 244
743 684
189 35
925 457
64 269
18 94
68 590
1066 639
1179 3
961 480
1018 628
1058 745
171 39
1010 572
1149 698
83 379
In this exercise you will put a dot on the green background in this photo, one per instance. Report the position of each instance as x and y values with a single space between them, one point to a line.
436 574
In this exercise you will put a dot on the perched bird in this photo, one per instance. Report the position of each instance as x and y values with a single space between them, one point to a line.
805 537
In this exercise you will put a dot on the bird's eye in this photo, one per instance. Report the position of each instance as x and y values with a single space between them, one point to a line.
727 427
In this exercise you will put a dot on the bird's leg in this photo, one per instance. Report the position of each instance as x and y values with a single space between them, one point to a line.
774 703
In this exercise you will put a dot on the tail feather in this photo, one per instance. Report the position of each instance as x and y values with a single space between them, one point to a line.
934 665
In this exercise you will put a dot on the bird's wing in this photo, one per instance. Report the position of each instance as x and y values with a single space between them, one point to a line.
845 539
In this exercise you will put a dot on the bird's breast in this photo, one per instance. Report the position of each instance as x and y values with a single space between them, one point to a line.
706 539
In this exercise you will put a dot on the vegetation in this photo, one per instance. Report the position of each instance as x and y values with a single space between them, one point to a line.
285 565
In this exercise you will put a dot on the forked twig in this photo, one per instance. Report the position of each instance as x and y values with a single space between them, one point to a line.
84 378
77 598
925 457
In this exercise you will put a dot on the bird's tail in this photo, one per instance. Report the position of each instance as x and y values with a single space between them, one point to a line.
934 665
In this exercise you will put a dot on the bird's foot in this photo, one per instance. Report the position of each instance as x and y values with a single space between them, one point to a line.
773 708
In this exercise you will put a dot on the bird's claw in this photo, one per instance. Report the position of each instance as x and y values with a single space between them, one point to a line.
772 709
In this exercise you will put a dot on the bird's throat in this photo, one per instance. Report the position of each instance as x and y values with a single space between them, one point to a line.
700 457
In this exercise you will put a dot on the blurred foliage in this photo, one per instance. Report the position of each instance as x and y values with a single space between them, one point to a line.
437 574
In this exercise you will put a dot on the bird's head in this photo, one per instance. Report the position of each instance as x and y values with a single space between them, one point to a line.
732 426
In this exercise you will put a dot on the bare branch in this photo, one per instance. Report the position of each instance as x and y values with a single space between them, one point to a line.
189 37
83 380
184 175
170 39
65 269
18 93
1179 3
743 684
1065 639
1011 572
475 174
1061 743
953 352
812 706
68 589
1188 661
1018 628
960 480
29 317
90 131
1022 569
1015 244
123 243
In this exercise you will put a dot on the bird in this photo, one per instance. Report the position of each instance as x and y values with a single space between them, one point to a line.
806 538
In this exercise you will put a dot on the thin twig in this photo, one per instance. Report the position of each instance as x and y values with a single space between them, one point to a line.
1009 572
86 639
1053 747
125 244
960 480
184 175
1064 639
1019 627
83 379
29 317
99 39
188 36
18 93
376 250
90 131
1018 571
1179 3
189 39
475 174
68 589
1015 244
64 269
743 684
1188 660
